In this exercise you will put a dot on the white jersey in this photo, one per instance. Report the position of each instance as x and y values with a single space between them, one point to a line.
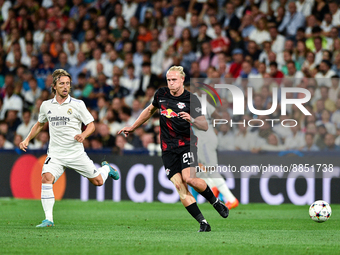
208 135
207 140
65 123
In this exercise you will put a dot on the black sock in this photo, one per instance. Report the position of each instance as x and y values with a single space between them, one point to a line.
195 212
208 195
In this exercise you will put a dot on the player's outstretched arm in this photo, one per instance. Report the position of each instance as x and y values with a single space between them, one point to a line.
144 116
33 133
200 122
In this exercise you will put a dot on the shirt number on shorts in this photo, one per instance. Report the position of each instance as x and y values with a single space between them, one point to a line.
188 158
47 160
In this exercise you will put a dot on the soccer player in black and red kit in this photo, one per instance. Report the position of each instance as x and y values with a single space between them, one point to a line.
179 151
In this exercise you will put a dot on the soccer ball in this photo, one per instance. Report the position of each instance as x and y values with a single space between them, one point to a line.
320 211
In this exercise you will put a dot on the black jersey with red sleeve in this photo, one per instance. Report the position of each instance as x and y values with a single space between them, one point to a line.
176 132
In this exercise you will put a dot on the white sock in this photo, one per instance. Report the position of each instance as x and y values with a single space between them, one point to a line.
104 171
222 187
47 200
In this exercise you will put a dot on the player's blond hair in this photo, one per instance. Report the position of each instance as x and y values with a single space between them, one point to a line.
178 69
56 76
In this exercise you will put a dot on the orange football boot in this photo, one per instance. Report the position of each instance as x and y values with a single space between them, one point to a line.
232 205
215 191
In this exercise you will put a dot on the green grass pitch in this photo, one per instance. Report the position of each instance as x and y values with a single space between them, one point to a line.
154 228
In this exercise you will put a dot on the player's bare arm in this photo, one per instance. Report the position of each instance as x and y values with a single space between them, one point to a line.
90 128
144 116
200 122
33 133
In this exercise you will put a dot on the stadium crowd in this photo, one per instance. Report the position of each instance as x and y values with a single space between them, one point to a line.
118 52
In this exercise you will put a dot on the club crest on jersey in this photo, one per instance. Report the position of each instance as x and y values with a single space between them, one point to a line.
69 111
181 105
167 171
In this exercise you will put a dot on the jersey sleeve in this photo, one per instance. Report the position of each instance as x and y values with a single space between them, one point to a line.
42 118
195 107
155 99
85 115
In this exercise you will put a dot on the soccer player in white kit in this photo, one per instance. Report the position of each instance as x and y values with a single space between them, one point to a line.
207 156
65 116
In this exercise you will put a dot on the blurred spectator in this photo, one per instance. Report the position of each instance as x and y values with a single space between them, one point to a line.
131 82
334 90
208 58
25 127
107 140
201 38
336 65
102 106
118 91
12 122
122 144
272 144
310 146
335 11
325 120
147 79
111 121
129 10
230 20
187 55
330 143
304 7
11 101
260 34
244 139
329 104
336 114
246 27
296 140
148 141
157 56
91 66
274 72
96 143
125 116
77 69
320 136
225 139
236 65
253 51
220 43
4 144
136 110
292 21
40 142
62 62
17 140
33 93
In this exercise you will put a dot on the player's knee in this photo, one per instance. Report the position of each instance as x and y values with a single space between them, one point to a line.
191 181
47 178
98 182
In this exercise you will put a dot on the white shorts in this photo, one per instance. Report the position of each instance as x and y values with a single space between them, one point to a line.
82 164
207 154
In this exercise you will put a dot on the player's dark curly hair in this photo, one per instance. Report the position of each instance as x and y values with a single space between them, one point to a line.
56 76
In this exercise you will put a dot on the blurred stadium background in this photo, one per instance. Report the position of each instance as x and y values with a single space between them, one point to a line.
118 52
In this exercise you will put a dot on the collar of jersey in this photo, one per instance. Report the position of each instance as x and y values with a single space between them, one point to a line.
68 100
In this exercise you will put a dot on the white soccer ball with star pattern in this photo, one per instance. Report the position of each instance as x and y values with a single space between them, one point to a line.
320 211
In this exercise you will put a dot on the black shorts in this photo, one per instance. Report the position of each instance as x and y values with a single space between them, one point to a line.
176 160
